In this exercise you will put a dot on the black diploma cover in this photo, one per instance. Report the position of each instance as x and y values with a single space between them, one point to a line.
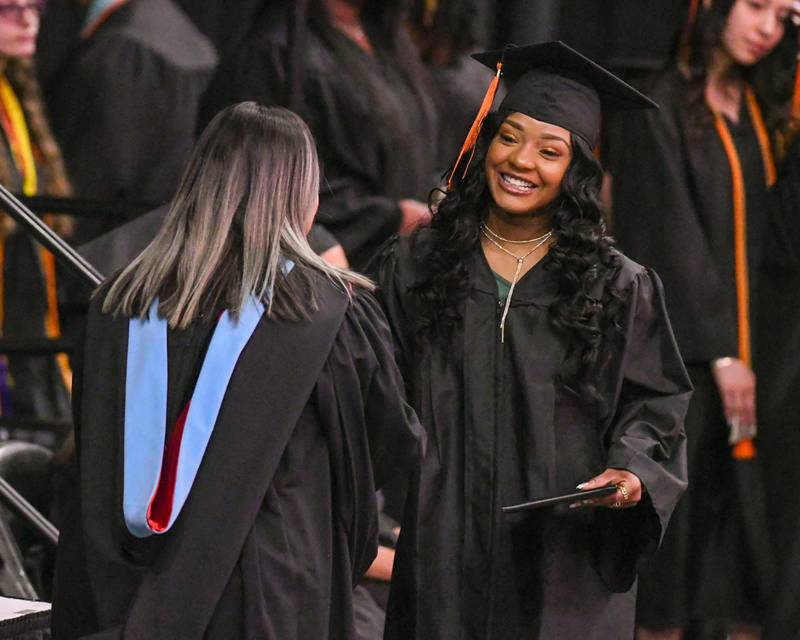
567 497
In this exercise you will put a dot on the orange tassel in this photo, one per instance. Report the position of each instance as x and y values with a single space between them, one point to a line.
767 157
475 129
744 450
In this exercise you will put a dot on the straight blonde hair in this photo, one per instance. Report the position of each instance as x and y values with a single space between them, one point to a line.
241 210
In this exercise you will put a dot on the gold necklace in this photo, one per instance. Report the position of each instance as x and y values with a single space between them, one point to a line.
520 259
497 236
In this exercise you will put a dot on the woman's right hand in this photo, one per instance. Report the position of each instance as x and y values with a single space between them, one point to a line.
736 383
414 214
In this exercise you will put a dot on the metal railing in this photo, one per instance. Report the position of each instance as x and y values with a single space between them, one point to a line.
86 273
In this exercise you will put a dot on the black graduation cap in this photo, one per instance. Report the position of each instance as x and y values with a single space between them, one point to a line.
554 83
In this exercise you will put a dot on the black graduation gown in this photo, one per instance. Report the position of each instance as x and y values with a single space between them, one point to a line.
502 431
124 105
222 21
779 400
281 520
37 386
624 36
116 249
376 134
673 211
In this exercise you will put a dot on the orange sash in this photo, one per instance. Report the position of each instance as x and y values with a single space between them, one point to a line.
746 448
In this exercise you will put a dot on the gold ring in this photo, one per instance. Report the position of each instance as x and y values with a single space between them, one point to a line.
624 491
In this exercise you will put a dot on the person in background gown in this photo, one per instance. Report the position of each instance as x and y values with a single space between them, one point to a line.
538 358
30 164
124 102
266 378
778 398
445 33
367 100
679 207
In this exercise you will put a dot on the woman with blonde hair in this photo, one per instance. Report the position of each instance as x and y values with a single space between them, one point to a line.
235 409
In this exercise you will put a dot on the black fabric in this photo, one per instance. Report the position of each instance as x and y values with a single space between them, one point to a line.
673 210
501 430
36 385
33 626
779 400
59 29
224 22
124 105
554 83
461 87
702 570
369 616
625 35
281 520
321 239
376 131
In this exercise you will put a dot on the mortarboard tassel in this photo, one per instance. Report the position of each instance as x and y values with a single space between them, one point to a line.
475 129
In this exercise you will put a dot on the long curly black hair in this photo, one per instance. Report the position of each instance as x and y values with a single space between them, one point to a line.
582 254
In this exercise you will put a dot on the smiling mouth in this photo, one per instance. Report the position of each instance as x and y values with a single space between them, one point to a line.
517 184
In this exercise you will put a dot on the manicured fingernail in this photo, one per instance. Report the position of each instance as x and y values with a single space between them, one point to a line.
575 505
581 485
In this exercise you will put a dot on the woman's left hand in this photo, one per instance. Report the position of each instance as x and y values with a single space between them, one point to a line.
628 494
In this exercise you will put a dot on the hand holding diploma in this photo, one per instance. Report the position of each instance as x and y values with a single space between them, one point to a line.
628 493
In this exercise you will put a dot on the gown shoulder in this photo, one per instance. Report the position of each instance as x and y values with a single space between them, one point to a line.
629 274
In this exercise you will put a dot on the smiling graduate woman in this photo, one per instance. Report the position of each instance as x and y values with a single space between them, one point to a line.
538 358
236 407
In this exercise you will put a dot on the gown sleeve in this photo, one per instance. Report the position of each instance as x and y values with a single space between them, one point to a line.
386 270
395 434
645 434
372 432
